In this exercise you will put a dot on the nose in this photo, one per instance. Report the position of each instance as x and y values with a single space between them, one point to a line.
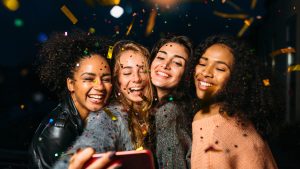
166 64
98 85
137 78
207 72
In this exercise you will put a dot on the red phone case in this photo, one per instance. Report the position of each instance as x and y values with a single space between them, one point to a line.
142 159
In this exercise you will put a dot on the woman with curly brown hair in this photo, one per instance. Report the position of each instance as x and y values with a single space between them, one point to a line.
75 68
123 124
229 129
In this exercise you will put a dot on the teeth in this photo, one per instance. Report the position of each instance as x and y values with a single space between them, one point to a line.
96 96
163 74
205 84
135 88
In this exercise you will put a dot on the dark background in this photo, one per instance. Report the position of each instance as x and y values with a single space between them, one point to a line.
24 102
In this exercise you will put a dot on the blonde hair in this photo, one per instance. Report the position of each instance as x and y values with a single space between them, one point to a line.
134 126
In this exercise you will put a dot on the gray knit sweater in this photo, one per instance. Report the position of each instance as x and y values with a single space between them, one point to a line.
173 136
106 130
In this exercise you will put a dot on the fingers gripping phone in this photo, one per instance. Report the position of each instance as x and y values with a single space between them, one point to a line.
141 159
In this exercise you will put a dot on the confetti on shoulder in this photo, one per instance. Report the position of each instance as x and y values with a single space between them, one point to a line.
110 114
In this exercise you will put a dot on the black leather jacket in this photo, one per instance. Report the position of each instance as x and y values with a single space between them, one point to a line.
55 134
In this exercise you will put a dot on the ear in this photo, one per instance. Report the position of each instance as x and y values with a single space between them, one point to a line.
70 84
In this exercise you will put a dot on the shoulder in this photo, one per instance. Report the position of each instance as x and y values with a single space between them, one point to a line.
111 114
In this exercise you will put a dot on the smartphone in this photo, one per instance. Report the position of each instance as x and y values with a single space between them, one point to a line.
135 159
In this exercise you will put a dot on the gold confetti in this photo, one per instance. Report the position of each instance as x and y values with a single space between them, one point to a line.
130 26
233 16
235 6
247 23
140 148
110 114
69 14
266 82
294 68
151 22
283 51
253 4
109 53
108 2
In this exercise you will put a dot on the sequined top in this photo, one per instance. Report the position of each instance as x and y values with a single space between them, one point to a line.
106 130
220 142
173 136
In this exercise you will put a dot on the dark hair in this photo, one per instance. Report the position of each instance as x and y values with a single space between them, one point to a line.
244 95
179 93
59 55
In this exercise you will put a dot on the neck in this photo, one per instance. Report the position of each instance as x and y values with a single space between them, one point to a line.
162 93
208 110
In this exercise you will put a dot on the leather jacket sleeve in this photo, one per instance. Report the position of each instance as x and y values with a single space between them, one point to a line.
54 135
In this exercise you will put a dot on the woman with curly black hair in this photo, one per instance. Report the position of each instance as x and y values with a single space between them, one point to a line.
170 59
229 129
75 68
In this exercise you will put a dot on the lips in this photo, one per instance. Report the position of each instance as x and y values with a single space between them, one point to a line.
96 98
203 85
162 74
132 89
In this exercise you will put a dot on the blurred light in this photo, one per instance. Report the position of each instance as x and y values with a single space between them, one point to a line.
42 37
38 97
19 22
92 30
128 9
116 11
24 72
11 5
22 106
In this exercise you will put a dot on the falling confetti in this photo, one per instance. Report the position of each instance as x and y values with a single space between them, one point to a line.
151 22
130 26
266 82
294 68
282 51
247 24
109 53
253 4
69 14
233 16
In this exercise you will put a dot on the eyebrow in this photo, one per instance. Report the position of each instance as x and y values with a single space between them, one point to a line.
93 74
176 56
219 62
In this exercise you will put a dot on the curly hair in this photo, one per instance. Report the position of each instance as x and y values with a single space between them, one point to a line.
136 133
244 96
178 93
58 56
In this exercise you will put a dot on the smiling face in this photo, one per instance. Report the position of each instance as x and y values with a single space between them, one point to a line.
168 66
133 77
91 84
213 71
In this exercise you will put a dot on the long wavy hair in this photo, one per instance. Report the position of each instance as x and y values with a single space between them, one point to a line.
134 127
244 96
